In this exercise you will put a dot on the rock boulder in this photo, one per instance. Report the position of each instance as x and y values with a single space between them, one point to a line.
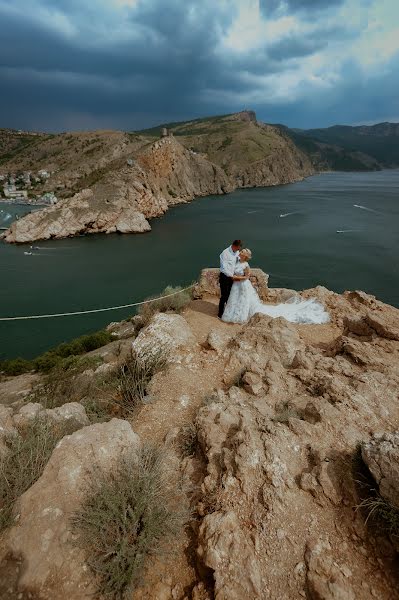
53 567
209 283
381 455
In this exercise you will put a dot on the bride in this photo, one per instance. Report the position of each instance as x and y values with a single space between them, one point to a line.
244 301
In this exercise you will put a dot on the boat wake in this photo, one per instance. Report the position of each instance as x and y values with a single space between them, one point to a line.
4 217
365 208
287 214
346 230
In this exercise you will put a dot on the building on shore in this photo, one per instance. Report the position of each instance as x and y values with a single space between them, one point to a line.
10 191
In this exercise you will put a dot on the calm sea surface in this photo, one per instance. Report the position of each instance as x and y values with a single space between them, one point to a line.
299 250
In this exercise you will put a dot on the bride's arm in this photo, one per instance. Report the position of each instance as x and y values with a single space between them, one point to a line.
247 272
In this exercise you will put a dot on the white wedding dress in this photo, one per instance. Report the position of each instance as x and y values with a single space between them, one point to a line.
244 302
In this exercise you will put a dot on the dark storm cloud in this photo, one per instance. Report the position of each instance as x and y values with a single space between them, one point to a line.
66 64
289 6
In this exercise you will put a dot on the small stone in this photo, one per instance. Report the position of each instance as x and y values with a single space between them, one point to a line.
346 571
299 568
184 400
252 383
280 534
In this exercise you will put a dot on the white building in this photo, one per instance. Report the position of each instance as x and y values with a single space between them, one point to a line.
10 191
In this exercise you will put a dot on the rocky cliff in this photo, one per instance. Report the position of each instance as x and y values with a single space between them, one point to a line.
163 174
125 181
284 437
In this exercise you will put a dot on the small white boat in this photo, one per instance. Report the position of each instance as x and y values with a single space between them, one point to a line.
28 253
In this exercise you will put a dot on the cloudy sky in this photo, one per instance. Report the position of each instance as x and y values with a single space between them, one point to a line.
129 64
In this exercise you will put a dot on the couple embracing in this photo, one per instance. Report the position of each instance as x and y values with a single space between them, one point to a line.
239 300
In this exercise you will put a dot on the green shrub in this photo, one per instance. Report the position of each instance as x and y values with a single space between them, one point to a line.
80 345
127 516
175 303
15 366
58 386
23 463
47 361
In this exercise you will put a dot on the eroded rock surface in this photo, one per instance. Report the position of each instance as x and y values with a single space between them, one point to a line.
381 455
209 283
52 564
166 331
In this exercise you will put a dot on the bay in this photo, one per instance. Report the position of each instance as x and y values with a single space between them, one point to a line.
291 230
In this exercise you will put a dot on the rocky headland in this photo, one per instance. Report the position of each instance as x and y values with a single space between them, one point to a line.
136 178
282 439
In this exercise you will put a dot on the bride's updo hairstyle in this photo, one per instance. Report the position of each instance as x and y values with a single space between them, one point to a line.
247 253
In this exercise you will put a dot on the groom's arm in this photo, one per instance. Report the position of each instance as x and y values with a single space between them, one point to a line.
227 263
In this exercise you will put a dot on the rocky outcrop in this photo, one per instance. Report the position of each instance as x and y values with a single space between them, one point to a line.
69 417
167 332
381 455
78 215
278 494
209 283
262 424
51 565
122 200
285 164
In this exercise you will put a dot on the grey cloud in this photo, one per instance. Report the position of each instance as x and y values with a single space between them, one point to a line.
170 66
269 7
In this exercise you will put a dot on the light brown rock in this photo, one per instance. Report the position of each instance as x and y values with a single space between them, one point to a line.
166 330
53 566
225 549
252 383
325 580
218 340
381 455
209 283
70 416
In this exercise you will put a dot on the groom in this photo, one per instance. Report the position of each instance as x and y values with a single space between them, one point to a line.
228 261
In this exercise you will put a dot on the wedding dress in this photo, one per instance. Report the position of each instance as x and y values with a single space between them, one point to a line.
244 302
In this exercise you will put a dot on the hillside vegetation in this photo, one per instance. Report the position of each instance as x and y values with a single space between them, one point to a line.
352 148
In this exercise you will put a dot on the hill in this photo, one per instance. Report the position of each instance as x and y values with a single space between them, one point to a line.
343 147
114 181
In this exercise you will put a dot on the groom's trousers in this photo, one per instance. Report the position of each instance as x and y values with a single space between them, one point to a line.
225 289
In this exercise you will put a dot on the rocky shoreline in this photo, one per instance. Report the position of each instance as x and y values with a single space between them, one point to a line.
270 426
162 174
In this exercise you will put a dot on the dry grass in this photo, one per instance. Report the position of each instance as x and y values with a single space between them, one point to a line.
188 439
59 385
23 463
175 303
379 513
129 383
126 518
285 412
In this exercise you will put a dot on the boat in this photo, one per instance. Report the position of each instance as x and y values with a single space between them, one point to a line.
28 253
